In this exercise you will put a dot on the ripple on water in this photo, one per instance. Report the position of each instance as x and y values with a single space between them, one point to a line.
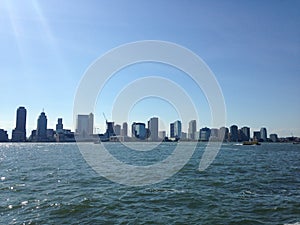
52 184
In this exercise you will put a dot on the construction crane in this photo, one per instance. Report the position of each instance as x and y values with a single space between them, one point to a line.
104 117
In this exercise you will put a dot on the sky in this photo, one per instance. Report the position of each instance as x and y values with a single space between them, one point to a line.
252 48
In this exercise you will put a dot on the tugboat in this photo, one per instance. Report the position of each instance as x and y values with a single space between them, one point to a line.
251 143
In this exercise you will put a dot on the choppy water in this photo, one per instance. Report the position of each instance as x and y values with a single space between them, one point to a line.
52 184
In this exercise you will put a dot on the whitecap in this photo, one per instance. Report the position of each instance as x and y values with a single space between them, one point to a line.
24 203
2 178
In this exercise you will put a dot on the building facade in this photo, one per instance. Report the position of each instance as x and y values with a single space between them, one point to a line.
59 126
19 133
175 129
139 131
205 134
223 134
192 129
234 136
256 135
274 137
125 129
263 134
3 136
153 128
117 129
41 131
245 134
85 125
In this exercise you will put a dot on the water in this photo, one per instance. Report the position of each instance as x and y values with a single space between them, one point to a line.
52 184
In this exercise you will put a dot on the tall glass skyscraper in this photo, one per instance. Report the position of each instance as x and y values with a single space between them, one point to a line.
175 129
139 131
19 133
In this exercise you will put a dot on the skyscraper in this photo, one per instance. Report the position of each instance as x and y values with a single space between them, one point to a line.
263 134
245 134
139 131
85 125
117 129
19 133
175 129
223 134
41 131
59 126
256 135
125 129
172 130
91 124
192 129
109 129
153 127
234 133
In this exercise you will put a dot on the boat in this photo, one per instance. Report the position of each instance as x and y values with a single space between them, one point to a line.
251 143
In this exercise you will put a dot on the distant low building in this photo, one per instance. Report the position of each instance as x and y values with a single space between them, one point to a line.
184 135
3 136
162 134
65 136
214 134
204 134
274 137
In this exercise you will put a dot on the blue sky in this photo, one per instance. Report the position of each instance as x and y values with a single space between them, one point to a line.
253 48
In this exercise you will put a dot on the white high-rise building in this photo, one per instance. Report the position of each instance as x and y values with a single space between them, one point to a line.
153 128
125 129
192 129
85 125
117 129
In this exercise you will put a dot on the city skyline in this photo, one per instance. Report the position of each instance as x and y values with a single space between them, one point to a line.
252 47
85 129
